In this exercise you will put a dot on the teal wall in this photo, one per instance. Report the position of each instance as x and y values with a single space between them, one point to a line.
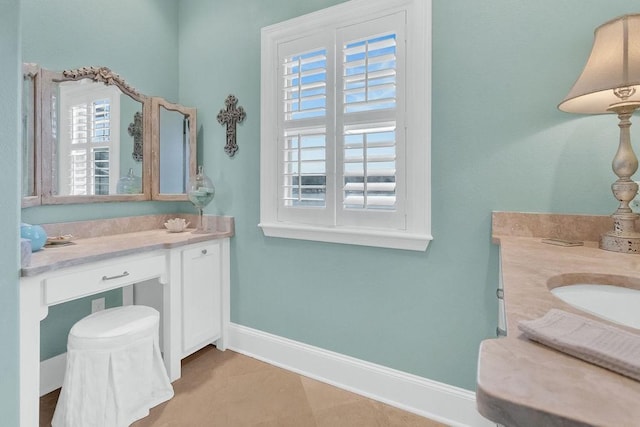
9 208
137 40
498 143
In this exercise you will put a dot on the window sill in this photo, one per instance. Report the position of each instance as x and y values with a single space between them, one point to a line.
349 235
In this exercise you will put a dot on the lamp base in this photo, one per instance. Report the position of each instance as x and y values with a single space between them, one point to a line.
621 240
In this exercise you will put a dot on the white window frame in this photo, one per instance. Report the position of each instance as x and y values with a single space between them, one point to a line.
415 233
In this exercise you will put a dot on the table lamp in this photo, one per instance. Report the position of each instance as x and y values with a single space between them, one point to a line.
610 83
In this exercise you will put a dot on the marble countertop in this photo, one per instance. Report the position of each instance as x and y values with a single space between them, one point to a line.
523 383
91 249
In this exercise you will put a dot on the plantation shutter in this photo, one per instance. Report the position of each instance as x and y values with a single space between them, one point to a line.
345 122
341 126
370 124
306 159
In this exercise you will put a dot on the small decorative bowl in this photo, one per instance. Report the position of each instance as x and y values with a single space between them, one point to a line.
60 240
176 225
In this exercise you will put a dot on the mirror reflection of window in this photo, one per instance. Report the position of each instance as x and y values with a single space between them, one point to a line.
89 138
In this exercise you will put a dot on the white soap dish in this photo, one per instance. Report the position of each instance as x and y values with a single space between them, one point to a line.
176 225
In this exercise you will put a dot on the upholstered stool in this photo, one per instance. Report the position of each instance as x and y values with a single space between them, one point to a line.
115 372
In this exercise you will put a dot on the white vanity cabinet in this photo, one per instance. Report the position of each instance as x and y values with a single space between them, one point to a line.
202 308
185 276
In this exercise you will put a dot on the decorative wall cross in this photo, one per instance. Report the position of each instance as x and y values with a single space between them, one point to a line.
230 117
135 130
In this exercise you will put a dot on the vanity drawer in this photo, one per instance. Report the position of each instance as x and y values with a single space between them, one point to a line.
79 282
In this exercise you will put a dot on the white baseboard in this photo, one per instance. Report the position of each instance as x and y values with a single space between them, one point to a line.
438 401
52 373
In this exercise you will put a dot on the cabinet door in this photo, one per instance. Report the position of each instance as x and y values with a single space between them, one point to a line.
201 296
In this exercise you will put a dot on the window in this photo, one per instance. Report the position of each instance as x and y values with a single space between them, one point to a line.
89 139
344 148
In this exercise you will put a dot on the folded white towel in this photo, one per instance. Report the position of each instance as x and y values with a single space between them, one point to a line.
595 342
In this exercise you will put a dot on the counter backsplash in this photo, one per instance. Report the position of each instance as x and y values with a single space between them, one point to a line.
547 225
130 224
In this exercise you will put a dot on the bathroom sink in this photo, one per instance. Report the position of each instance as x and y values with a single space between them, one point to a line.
614 303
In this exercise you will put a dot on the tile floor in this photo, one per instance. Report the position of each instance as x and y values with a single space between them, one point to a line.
227 389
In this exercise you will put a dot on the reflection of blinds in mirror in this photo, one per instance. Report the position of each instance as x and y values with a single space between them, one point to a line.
89 140
90 130
100 115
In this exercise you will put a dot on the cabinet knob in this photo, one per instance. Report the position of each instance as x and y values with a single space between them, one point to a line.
204 252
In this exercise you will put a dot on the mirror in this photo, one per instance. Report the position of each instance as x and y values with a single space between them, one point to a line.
30 136
89 137
93 138
173 149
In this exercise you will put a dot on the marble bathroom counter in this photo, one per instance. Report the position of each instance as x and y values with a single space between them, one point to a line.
523 383
88 247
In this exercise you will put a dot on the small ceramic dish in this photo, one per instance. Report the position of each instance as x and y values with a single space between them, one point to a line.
176 225
59 240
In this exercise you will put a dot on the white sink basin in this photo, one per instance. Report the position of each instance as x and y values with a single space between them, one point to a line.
614 303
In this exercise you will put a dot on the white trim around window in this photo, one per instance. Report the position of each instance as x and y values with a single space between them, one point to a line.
345 155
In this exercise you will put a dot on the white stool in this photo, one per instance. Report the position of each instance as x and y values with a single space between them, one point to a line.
115 372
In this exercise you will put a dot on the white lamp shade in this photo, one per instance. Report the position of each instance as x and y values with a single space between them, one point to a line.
614 63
